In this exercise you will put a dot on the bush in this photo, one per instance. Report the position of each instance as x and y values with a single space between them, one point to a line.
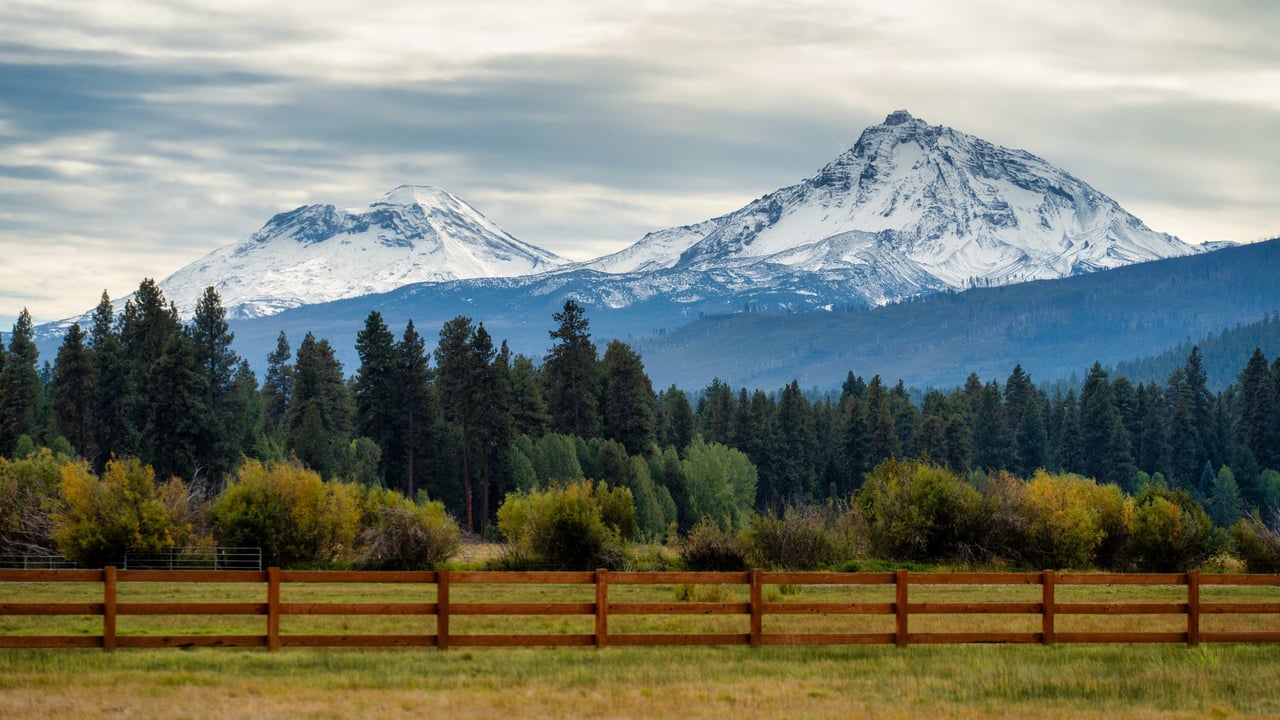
709 547
1257 545
26 488
405 536
1170 531
801 539
101 519
918 510
289 512
1072 522
570 527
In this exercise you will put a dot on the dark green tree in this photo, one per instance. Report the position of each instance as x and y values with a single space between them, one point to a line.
222 435
112 428
1259 412
792 467
74 381
628 402
20 386
455 375
419 410
1031 440
992 444
528 400
1097 422
675 419
176 417
715 413
377 389
318 422
572 375
1070 449
277 384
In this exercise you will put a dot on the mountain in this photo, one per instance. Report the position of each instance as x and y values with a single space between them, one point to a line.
912 208
318 253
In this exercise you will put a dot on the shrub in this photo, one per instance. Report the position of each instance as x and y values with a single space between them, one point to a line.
709 547
101 519
26 488
1257 545
289 512
799 540
1072 522
918 510
565 526
405 536
1170 531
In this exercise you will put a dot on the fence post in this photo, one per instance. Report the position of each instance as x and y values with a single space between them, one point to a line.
900 608
1047 602
442 609
1193 608
602 608
273 609
757 607
109 608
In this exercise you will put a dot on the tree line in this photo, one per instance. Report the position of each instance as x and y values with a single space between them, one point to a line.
467 422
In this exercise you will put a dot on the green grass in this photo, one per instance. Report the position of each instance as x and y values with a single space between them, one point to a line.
960 681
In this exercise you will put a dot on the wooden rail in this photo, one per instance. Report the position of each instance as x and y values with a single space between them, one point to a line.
437 602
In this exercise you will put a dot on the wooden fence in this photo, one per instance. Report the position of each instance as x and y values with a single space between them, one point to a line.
902 608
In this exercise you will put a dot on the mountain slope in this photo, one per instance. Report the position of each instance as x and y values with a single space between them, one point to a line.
915 208
318 253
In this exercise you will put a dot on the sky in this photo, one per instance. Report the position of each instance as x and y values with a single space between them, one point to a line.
137 135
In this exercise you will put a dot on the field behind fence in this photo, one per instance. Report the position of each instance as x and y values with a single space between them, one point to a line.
112 608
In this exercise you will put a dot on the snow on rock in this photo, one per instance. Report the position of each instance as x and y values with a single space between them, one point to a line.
318 253
913 208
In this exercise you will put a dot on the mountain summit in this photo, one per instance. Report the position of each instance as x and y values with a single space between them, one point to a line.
318 253
913 208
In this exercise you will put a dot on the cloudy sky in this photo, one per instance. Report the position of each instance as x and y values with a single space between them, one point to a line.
138 135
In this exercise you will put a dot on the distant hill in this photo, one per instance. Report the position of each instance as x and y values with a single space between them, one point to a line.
1225 354
1052 327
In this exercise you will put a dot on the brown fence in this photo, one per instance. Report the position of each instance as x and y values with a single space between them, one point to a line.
755 609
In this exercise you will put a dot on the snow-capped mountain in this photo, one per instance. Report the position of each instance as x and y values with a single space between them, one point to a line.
913 208
319 253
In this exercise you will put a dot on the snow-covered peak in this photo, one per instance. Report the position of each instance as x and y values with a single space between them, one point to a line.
318 253
931 201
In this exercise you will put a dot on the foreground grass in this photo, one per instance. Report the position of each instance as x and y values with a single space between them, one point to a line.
952 681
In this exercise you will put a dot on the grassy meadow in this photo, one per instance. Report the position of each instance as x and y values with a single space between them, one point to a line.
1165 681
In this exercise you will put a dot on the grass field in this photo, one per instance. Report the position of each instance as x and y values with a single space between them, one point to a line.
1168 681
956 681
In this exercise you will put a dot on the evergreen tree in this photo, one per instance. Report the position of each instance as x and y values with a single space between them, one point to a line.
74 382
1097 421
378 389
1153 443
883 441
221 437
20 386
792 467
1117 464
1190 421
175 424
992 446
1032 441
1070 449
455 374
146 326
675 426
715 413
572 375
528 400
1225 505
1018 394
493 425
628 403
1256 424
277 385
318 422
112 429
419 409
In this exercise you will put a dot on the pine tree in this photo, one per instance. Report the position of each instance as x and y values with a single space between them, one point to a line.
1032 441
277 385
221 438
175 424
1097 420
883 441
793 468
318 421
1225 505
1070 449
1018 394
628 403
455 374
715 413
112 429
146 326
1118 466
20 386
73 388
377 389
419 409
572 375
992 446
528 400
1256 425
493 425
675 427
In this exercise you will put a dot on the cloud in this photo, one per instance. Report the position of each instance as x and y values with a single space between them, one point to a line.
137 135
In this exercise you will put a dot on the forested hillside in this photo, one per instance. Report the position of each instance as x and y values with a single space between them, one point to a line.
456 416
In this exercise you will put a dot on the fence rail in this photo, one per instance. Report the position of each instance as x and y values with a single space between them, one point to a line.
902 608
